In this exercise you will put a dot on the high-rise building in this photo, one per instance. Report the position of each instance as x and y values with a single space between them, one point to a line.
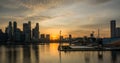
47 37
26 32
35 33
14 26
29 23
14 30
118 32
42 37
37 30
113 28
3 37
9 31
18 35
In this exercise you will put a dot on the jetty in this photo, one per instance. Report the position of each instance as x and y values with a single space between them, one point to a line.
87 48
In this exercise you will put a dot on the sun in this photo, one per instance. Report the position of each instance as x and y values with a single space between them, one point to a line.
54 37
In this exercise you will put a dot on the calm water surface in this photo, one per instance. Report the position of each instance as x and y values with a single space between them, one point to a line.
49 54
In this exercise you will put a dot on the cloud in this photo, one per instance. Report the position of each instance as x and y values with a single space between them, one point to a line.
34 7
97 1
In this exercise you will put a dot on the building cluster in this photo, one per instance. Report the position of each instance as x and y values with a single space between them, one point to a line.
45 38
115 31
14 34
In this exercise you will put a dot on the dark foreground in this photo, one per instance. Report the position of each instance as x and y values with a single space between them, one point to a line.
48 53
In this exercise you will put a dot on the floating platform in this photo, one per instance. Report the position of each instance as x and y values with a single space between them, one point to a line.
87 48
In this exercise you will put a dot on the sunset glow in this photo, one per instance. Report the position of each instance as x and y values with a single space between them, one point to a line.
54 37
76 17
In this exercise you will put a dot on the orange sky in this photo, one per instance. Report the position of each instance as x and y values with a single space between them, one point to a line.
76 17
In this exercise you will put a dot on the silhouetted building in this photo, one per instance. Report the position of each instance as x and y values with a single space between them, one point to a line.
118 32
14 34
115 31
14 30
70 39
42 37
9 31
3 37
35 33
18 35
113 28
29 22
27 32
47 38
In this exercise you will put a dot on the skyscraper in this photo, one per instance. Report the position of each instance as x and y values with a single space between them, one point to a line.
29 23
48 38
27 31
42 37
18 35
14 30
9 31
113 28
35 32
118 32
14 26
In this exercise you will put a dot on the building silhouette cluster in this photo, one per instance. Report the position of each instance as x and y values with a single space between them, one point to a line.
115 31
28 34
14 34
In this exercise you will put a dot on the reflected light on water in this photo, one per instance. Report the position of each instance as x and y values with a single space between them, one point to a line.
48 53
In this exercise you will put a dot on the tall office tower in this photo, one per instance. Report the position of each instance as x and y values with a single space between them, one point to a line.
113 28
29 22
14 30
18 35
118 32
14 26
42 37
1 35
48 38
9 31
26 32
35 32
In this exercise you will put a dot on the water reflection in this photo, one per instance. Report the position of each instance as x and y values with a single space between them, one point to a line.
35 54
87 57
114 56
60 57
26 54
100 55
48 53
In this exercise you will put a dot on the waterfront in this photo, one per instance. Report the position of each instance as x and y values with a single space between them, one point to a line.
49 53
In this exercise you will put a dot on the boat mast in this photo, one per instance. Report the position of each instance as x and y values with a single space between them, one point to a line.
60 39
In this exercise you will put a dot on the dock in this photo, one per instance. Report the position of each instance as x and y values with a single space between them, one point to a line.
87 48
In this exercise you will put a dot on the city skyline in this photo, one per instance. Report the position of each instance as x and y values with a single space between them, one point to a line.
76 17
59 31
